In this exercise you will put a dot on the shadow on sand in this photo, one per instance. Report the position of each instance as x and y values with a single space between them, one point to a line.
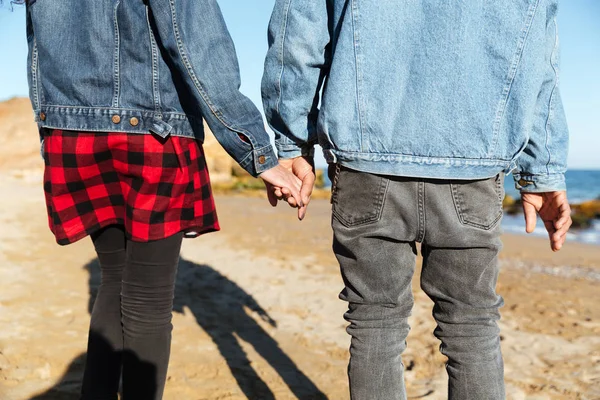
219 306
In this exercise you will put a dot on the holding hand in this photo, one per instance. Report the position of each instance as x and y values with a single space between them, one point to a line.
280 178
553 208
303 169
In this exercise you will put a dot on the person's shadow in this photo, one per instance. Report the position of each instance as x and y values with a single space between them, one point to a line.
223 309
219 306
69 386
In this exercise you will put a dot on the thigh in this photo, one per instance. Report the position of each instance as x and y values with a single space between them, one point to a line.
373 225
148 286
152 264
461 247
110 243
462 283
110 239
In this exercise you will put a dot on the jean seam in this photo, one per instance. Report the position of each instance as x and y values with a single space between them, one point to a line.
421 211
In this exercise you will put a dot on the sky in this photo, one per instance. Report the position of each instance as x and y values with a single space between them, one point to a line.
579 30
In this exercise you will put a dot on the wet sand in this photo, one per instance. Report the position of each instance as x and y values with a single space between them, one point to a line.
257 314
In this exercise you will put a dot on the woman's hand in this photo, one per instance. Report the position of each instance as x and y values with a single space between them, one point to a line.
304 169
280 178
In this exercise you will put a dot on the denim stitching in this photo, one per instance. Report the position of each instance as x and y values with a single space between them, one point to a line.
92 129
34 75
421 211
373 216
553 62
116 58
358 71
457 198
281 54
155 70
94 109
394 157
511 75
197 83
334 184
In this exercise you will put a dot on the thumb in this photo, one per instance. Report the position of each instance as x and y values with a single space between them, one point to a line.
530 216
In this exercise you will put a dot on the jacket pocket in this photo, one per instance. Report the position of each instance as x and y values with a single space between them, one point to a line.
479 203
358 197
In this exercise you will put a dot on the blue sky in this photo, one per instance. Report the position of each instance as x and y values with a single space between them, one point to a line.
579 25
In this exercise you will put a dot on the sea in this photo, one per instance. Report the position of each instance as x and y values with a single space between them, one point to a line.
582 185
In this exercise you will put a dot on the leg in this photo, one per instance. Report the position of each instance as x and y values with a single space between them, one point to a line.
146 307
103 364
460 270
374 234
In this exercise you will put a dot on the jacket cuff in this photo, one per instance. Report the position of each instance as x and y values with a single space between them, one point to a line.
529 183
259 160
293 151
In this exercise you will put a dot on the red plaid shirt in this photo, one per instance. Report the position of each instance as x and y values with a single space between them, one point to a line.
153 187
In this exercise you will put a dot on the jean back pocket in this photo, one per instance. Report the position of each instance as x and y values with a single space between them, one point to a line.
479 203
358 197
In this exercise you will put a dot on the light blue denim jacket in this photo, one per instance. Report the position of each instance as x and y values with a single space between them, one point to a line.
421 88
142 66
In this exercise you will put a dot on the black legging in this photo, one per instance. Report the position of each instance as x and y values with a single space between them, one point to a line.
130 330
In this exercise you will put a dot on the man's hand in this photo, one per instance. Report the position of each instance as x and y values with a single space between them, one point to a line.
554 210
282 179
304 169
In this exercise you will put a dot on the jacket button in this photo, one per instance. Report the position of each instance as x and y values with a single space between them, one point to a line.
42 116
116 119
523 182
262 159
134 121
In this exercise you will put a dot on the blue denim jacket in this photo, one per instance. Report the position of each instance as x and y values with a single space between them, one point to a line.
421 88
142 66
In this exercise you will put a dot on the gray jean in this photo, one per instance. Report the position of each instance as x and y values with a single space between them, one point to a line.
377 221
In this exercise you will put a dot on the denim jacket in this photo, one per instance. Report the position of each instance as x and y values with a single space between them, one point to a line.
421 88
142 66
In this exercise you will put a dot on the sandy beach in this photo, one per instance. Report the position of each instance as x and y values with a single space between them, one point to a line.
256 309
257 314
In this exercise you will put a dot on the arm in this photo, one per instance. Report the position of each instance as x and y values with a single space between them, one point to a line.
541 176
541 168
198 46
296 65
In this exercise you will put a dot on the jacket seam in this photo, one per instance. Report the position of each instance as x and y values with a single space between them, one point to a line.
417 158
283 34
358 72
34 76
536 177
194 78
102 130
294 146
155 70
116 57
501 110
552 96
49 107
